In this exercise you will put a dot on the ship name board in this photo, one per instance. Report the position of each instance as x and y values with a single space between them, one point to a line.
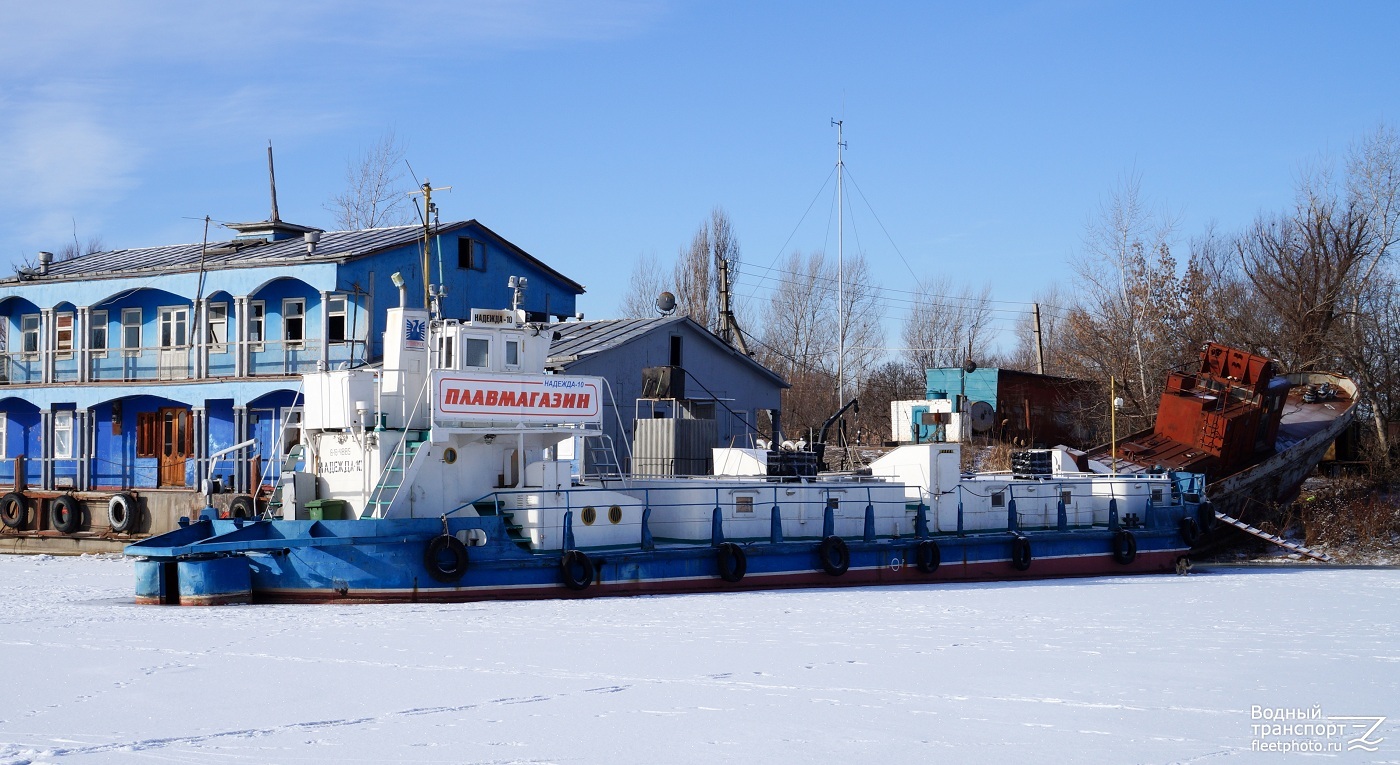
539 398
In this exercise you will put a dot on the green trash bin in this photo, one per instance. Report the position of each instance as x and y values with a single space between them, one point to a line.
325 510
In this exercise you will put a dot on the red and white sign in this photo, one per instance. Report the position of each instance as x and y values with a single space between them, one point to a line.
536 398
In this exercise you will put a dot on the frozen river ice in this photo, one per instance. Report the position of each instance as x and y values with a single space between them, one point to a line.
1151 669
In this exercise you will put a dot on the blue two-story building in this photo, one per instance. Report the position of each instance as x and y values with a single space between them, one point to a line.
127 370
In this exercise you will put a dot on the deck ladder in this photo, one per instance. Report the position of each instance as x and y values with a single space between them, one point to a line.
395 473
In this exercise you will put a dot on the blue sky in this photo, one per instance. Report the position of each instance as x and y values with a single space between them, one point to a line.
983 135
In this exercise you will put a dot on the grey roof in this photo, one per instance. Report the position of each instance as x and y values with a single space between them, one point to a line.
245 253
578 339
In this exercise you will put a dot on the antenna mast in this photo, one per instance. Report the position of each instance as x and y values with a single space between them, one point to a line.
840 281
429 212
272 181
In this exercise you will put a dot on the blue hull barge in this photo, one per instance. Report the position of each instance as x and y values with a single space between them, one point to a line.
447 474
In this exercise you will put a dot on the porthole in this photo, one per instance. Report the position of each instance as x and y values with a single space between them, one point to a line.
615 514
589 515
449 455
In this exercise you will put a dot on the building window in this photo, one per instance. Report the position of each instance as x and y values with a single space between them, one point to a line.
174 327
999 499
97 334
471 254
257 318
29 330
216 330
291 430
476 352
335 319
63 335
294 321
131 331
4 437
512 353
63 434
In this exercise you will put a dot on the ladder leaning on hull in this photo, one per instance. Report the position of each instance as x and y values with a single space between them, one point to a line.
1296 551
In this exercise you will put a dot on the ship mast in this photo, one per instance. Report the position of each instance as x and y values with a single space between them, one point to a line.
840 280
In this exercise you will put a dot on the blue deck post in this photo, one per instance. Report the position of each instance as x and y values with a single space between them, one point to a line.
775 528
1011 514
1113 514
568 529
960 515
647 542
716 528
921 521
869 535
1061 517
828 523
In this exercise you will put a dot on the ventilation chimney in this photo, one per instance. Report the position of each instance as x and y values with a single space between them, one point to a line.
311 237
45 258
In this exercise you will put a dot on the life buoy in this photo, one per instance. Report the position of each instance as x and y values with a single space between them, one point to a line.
65 514
1124 547
732 562
14 510
577 570
835 555
242 506
1020 553
122 511
445 558
1190 532
927 556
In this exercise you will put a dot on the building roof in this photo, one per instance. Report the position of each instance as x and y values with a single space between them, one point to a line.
580 339
247 253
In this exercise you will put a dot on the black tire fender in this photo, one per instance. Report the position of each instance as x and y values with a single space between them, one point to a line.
65 514
1124 547
732 562
835 556
14 510
242 506
122 512
927 556
1190 532
1021 553
446 558
577 570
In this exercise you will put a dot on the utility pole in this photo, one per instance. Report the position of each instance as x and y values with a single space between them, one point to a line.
1039 346
272 181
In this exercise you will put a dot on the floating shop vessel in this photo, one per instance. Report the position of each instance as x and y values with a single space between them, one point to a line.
446 474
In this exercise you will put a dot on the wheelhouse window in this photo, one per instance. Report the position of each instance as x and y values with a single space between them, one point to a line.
257 319
97 334
335 319
999 499
294 321
216 328
445 346
512 353
471 254
29 332
131 331
476 352
63 434
63 335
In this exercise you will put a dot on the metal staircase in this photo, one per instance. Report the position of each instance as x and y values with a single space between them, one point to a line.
395 474
297 455
514 531
602 457
1296 551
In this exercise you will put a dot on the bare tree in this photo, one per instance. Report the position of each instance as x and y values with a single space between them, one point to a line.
945 322
646 284
694 277
374 194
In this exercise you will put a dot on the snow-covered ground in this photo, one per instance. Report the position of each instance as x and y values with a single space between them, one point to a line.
1126 670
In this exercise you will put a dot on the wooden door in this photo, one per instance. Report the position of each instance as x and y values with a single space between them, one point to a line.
176 445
